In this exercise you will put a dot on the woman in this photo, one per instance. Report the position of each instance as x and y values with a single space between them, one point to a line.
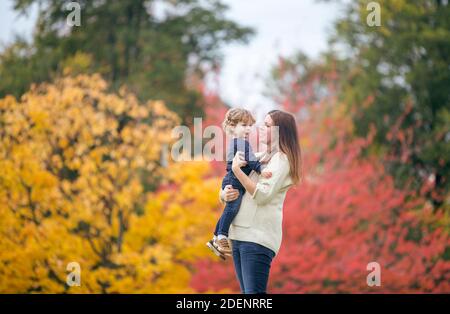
256 231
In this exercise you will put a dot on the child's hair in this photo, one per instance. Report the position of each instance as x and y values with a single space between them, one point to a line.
236 115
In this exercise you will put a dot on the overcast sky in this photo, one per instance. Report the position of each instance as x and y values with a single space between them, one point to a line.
282 26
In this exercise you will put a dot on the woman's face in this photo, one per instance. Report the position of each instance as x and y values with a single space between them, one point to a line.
266 134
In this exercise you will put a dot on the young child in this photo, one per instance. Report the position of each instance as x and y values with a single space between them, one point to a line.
237 124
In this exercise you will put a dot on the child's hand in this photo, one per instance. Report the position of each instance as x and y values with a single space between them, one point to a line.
264 161
263 157
258 155
266 174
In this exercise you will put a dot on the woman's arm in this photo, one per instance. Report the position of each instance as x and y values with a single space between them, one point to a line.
264 190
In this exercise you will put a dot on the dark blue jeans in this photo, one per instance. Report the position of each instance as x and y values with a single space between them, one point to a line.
252 265
230 211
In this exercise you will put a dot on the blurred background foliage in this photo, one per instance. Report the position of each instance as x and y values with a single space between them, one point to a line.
157 55
86 113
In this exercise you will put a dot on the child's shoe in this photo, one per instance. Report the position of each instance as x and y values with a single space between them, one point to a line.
211 244
224 246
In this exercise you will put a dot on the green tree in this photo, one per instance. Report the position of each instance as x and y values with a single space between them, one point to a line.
396 78
155 47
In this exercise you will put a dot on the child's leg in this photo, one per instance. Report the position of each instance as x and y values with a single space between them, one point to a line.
230 211
225 182
216 231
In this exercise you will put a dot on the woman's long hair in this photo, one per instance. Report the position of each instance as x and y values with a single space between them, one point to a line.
289 141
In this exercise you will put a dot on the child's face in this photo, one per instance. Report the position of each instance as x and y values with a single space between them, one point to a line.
242 130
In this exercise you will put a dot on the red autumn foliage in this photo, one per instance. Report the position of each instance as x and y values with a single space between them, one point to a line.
345 214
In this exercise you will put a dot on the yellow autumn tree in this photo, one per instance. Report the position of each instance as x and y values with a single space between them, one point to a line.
78 172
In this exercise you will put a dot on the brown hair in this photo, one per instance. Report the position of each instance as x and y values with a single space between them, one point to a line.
289 141
236 115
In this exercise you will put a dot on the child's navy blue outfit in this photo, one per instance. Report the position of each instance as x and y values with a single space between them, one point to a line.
232 207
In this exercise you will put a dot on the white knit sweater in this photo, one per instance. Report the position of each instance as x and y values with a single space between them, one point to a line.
260 216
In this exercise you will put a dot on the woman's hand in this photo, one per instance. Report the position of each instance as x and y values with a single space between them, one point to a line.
266 174
229 194
238 161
